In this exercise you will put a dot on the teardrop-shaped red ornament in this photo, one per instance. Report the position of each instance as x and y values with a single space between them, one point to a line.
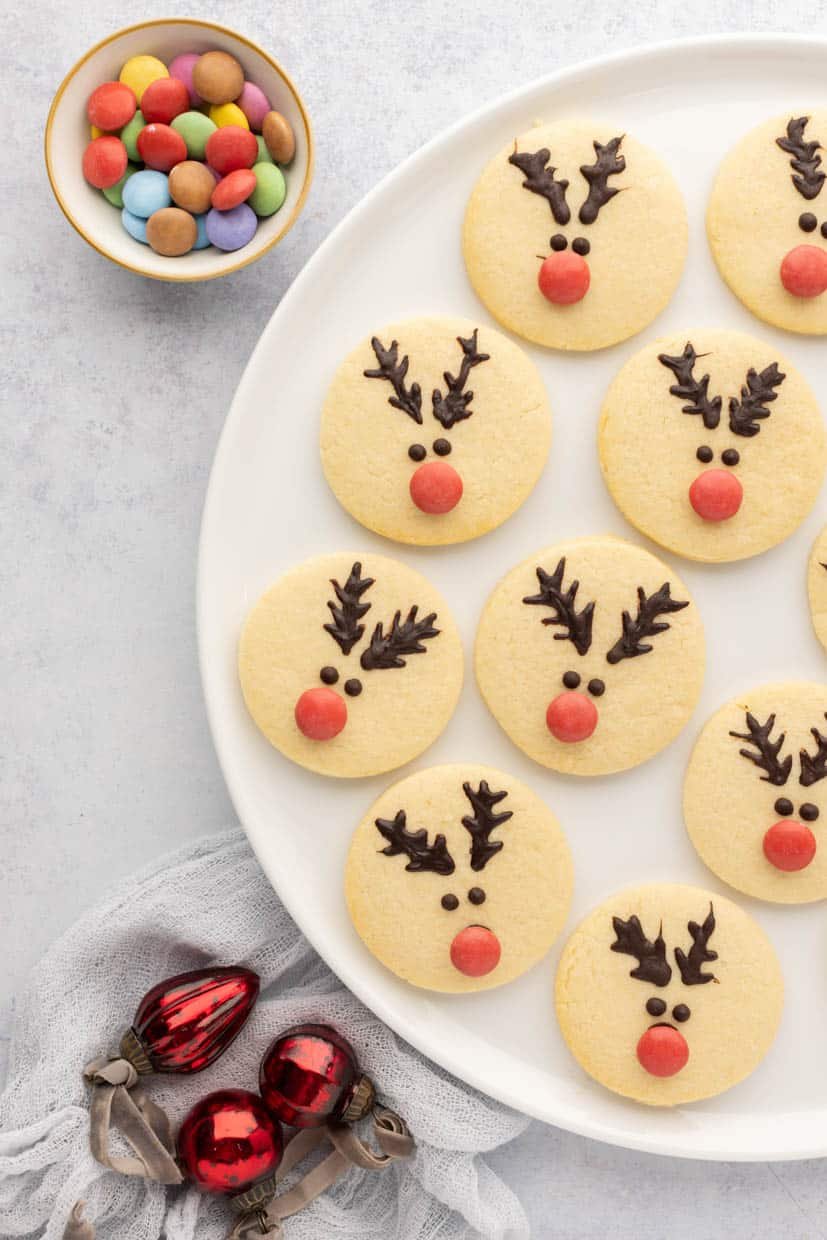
310 1075
229 1141
185 1022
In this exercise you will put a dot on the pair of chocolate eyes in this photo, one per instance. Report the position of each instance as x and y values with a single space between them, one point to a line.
580 245
730 457
807 222
656 1007
807 812
476 896
329 676
418 452
595 687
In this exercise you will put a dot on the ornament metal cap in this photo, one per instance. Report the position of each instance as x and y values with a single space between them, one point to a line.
256 1197
361 1101
133 1052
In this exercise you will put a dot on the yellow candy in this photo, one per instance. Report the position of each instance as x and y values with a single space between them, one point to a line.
140 71
222 114
94 132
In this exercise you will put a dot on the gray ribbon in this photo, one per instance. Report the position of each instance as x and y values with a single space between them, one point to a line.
119 1102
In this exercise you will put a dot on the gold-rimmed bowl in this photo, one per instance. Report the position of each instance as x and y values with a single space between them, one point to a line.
67 134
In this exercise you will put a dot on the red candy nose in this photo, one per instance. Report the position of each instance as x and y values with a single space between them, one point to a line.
436 487
564 278
804 271
571 717
716 495
789 845
662 1051
475 951
320 714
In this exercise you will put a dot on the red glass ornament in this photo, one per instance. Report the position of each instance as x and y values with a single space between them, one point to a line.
229 1141
185 1022
310 1075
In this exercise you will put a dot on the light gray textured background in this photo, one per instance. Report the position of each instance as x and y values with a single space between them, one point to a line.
115 391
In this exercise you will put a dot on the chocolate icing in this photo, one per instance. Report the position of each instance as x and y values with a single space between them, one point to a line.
348 610
353 687
577 624
746 414
540 179
808 812
655 1006
328 675
765 752
631 644
807 222
483 821
652 966
783 806
695 391
417 452
409 400
807 177
607 164
681 1012
449 902
442 447
454 406
699 954
404 637
814 766
476 895
571 680
421 855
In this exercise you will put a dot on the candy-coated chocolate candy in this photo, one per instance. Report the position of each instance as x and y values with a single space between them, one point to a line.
230 148
171 232
111 106
662 1051
320 713
281 142
94 132
232 189
222 114
135 225
202 240
254 104
191 185
571 717
104 161
164 99
564 278
804 271
161 147
140 71
264 156
218 77
475 951
181 68
789 845
114 193
129 136
436 487
270 189
146 193
195 128
716 495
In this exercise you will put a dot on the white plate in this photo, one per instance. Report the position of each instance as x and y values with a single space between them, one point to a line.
398 253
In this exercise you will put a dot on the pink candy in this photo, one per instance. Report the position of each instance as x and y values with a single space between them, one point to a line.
181 68
254 104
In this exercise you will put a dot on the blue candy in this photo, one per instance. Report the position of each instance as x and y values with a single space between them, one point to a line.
202 240
148 193
135 225
229 230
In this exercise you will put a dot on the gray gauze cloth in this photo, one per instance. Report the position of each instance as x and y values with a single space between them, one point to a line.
210 903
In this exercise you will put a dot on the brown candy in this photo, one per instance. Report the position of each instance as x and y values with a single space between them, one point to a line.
171 231
218 77
278 137
191 185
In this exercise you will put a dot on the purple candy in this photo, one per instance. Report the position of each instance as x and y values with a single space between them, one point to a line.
254 104
230 230
181 68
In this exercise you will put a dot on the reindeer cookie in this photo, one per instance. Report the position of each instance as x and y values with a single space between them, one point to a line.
712 444
667 994
590 655
817 586
350 664
458 878
435 430
755 795
575 235
767 222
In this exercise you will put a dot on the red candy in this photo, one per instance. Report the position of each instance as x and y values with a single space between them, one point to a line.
435 487
789 845
662 1051
564 278
164 99
104 161
320 714
111 106
233 189
230 148
161 147
571 717
475 951
804 271
716 495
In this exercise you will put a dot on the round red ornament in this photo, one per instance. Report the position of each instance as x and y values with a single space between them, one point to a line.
310 1076
229 1141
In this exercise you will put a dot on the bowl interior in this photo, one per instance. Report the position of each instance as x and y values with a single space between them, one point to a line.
67 135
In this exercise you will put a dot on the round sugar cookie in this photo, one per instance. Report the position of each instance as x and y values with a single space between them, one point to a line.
458 878
767 221
594 211
350 664
590 655
712 444
755 793
817 586
435 430
667 994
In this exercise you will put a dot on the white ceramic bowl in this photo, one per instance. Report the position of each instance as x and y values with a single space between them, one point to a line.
67 134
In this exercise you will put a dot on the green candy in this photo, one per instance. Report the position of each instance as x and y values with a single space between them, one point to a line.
195 128
270 190
264 156
114 193
129 135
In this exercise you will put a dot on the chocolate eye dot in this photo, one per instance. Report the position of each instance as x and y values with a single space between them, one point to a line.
449 903
558 242
681 1013
596 687
783 807
571 680
655 1007
808 812
442 447
705 454
580 246
328 675
807 222
353 687
476 895
416 452
731 457
824 229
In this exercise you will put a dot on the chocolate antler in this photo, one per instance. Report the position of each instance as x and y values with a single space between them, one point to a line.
766 752
345 628
805 162
453 407
690 966
631 644
409 400
652 965
696 391
814 768
578 624
540 180
607 164
414 845
746 414
402 638
483 822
